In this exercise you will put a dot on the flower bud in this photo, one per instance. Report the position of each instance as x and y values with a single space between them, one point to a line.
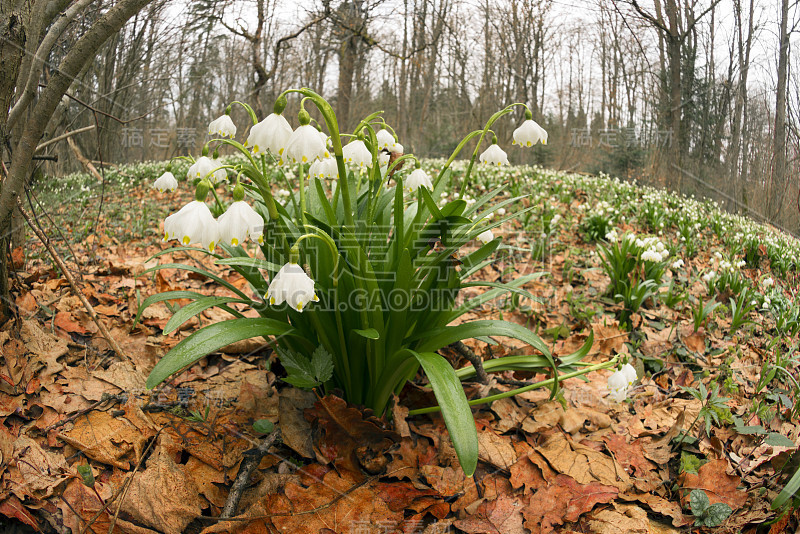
280 105
303 117
238 193
201 192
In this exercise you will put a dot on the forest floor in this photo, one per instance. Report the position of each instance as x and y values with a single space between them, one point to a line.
704 415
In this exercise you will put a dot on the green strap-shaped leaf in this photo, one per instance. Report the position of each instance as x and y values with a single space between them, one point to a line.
196 307
198 270
432 340
161 297
455 409
211 338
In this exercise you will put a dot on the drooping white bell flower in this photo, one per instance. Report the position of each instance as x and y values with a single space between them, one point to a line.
528 134
324 168
418 178
291 285
385 139
357 153
618 386
485 237
304 145
383 158
630 373
166 182
397 148
326 142
223 127
271 134
494 155
203 166
239 222
193 224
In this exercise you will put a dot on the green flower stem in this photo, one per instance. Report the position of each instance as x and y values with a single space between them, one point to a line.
508 109
302 175
248 109
544 383
214 191
333 127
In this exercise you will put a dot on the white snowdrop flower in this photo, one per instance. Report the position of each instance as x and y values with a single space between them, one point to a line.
292 285
357 153
630 373
326 142
418 178
203 168
768 282
314 169
718 254
444 195
271 134
283 193
501 211
767 303
328 168
485 237
709 276
664 255
239 222
223 127
556 218
397 148
494 155
528 134
677 264
618 386
456 195
383 158
651 255
385 140
740 264
753 303
443 202
304 145
611 236
166 182
192 224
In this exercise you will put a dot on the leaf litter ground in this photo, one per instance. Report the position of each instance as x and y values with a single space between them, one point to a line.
164 461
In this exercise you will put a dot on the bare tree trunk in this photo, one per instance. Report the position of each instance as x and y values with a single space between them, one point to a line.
83 51
775 199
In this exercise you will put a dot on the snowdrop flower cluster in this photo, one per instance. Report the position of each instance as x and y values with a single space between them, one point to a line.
223 127
270 135
710 275
768 282
529 132
612 236
485 237
207 167
653 249
291 285
494 155
193 224
677 264
166 182
620 382
417 178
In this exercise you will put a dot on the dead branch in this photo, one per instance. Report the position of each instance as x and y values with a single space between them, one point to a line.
66 135
75 290
249 464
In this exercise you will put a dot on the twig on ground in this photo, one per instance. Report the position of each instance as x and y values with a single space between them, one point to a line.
105 398
473 358
78 293
249 464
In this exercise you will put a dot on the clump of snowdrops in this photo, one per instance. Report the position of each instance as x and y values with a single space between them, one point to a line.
357 267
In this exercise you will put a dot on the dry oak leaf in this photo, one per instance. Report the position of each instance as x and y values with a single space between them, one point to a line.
14 509
80 504
494 449
661 506
631 457
448 481
295 430
626 519
65 322
312 509
716 482
695 341
350 436
582 463
500 516
107 439
528 474
35 472
564 501
163 497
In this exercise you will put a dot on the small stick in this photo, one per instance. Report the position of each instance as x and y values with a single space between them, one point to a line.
474 359
78 293
249 464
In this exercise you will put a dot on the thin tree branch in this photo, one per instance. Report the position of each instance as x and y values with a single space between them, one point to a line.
66 135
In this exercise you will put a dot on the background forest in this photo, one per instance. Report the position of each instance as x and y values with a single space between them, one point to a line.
697 96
